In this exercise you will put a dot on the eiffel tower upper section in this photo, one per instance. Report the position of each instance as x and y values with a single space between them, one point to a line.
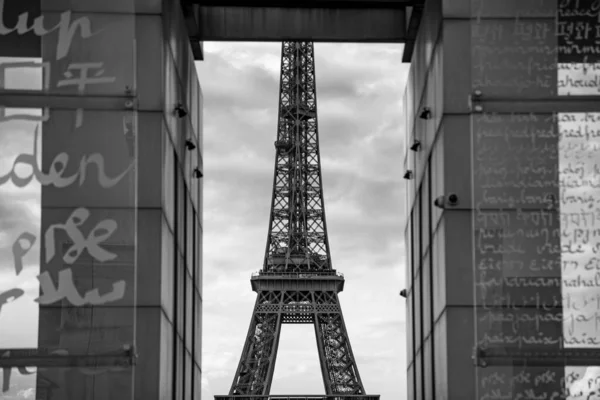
297 240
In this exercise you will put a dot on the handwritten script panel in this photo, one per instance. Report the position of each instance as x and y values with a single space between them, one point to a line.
514 57
537 232
580 210
536 188
530 382
539 51
517 230
516 158
67 190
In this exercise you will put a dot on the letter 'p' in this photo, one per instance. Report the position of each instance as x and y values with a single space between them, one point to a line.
19 251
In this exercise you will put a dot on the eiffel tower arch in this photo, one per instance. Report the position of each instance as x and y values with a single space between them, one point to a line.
297 283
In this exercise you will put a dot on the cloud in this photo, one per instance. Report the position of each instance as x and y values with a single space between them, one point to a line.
27 394
19 206
359 88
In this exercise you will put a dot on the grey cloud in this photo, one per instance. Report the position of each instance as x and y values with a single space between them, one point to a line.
244 131
247 194
15 215
394 325
341 132
250 88
380 199
358 235
334 86
364 62
15 219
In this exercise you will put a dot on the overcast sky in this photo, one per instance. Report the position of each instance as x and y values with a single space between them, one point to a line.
361 132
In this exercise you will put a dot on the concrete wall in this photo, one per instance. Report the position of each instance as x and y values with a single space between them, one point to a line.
154 211
461 47
427 327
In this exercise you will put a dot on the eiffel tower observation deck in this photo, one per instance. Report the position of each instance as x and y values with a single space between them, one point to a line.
297 283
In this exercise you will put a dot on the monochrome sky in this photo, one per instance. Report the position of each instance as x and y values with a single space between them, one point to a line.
361 133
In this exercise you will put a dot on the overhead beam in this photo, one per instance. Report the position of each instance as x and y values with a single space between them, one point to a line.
413 21
337 4
342 24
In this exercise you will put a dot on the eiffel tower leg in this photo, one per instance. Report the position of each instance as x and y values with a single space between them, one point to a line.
257 364
322 356
340 374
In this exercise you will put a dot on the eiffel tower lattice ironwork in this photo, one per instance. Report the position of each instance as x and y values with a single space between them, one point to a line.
297 283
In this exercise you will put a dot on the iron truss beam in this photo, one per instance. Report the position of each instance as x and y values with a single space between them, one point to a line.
297 239
320 308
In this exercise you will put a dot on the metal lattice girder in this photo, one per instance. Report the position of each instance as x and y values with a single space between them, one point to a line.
340 372
297 237
273 308
255 370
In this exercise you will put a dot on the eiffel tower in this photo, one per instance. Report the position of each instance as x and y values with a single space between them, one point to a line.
297 283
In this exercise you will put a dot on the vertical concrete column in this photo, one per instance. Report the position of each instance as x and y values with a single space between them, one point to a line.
91 244
181 138
490 269
426 286
512 253
516 216
119 140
